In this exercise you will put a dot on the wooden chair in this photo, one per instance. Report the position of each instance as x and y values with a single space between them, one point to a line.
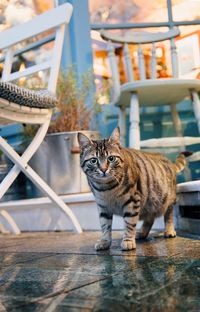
31 107
134 94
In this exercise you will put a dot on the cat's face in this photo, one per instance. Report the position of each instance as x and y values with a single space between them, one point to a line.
101 160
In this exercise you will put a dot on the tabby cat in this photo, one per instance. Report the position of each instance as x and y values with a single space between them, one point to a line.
130 183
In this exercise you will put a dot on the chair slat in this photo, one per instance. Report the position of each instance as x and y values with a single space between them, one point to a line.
153 61
128 63
174 58
29 71
25 117
57 51
114 71
44 22
141 65
4 103
7 64
170 142
34 110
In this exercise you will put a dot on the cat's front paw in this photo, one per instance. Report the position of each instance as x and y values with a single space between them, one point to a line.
170 234
128 244
102 244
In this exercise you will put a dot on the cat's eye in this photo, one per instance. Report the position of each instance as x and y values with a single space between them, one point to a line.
93 161
111 158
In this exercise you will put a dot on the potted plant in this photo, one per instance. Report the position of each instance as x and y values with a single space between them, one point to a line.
57 159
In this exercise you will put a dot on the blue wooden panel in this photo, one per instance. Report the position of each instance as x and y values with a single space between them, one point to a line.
13 133
10 130
77 45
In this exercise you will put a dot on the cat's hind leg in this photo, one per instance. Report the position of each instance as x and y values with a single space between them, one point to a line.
106 226
169 223
145 229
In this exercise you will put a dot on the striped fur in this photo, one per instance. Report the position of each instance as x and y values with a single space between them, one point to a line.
181 161
130 183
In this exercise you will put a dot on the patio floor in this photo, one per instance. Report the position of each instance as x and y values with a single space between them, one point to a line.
61 271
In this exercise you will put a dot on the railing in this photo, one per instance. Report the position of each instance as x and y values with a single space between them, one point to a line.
144 25
170 24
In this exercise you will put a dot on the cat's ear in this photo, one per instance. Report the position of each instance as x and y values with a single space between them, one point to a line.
83 140
115 136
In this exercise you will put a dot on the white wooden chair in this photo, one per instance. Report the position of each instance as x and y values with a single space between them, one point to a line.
31 107
150 92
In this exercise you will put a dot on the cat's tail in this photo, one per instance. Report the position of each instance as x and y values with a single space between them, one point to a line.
181 161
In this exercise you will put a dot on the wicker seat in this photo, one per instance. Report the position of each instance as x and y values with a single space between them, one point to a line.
26 97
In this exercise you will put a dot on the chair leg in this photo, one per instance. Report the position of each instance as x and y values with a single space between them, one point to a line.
3 230
10 220
196 107
122 125
38 181
28 153
176 120
179 132
134 131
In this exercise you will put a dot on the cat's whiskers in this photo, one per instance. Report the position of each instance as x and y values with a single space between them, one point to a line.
116 179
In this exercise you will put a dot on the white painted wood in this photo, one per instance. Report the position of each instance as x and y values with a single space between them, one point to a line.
57 53
141 64
18 116
40 214
28 153
191 186
13 107
152 92
170 142
11 221
128 63
174 58
56 3
176 120
153 61
34 202
122 125
196 107
29 71
41 23
34 110
35 178
4 103
194 157
7 64
140 37
162 150
115 74
134 130
3 229
157 92
55 18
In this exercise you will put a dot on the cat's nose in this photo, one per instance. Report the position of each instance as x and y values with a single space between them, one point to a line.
104 168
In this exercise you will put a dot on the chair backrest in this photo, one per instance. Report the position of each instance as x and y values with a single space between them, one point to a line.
138 38
54 19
